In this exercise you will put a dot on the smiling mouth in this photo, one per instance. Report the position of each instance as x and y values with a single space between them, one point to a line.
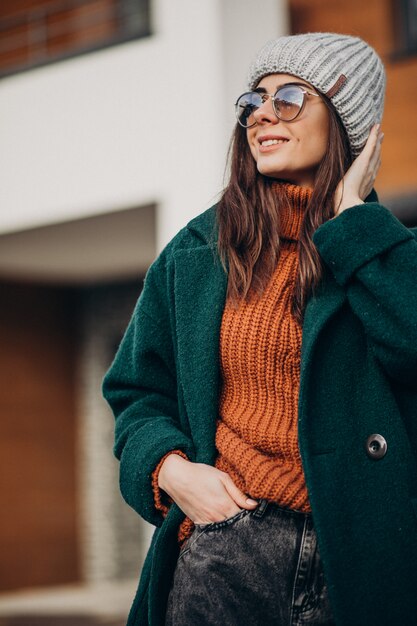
272 142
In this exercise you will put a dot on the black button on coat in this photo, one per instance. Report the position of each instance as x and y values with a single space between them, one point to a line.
376 446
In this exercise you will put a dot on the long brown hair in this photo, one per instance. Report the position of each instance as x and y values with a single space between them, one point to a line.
248 218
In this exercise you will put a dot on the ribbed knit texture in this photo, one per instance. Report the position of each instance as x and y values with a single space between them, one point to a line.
260 346
162 500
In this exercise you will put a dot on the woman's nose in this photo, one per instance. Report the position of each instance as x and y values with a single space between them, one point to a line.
265 113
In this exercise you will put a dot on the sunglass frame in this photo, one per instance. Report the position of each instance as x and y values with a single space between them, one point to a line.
262 94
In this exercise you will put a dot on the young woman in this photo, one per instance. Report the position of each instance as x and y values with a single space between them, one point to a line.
264 392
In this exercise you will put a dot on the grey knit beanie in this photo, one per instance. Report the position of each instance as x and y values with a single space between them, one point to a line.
344 68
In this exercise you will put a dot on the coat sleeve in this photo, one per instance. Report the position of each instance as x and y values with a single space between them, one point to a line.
141 389
373 256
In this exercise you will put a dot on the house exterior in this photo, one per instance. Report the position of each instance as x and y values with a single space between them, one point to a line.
115 117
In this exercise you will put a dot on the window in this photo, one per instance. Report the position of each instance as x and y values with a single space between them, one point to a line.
34 33
405 23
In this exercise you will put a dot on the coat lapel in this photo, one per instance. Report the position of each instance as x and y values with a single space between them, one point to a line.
200 291
329 298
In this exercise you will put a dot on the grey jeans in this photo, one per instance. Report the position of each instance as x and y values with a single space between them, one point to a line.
257 568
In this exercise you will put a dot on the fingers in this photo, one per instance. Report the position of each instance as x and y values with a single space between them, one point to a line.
375 157
379 137
373 143
359 179
369 160
377 144
204 493
238 496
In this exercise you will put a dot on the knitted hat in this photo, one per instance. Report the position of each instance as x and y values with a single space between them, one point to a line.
344 68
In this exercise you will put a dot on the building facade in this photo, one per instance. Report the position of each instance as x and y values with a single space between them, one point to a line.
115 118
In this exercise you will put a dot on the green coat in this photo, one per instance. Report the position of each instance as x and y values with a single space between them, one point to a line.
358 373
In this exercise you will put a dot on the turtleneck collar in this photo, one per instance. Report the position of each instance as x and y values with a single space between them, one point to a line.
291 216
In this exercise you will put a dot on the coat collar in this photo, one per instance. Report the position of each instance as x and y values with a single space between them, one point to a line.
205 226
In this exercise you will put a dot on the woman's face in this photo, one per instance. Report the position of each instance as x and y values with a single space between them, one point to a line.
302 143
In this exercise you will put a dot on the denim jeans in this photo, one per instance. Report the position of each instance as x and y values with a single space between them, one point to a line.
257 568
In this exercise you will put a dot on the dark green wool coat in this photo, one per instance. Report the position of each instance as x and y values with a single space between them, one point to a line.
358 377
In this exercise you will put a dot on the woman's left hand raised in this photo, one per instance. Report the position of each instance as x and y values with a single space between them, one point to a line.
359 180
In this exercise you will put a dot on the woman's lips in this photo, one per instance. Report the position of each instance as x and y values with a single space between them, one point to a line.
270 145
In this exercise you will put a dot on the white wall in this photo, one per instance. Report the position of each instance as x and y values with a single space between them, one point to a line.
141 123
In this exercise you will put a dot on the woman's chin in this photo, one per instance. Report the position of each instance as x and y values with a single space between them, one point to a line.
302 179
273 172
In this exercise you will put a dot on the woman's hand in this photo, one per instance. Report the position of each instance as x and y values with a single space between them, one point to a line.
359 180
203 492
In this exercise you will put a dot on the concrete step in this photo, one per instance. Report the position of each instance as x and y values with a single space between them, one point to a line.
100 604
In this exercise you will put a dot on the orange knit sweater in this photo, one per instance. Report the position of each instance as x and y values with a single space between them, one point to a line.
260 344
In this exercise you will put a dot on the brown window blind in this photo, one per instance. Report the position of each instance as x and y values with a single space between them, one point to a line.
37 32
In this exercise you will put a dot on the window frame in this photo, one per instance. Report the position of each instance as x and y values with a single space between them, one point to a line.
123 35
405 29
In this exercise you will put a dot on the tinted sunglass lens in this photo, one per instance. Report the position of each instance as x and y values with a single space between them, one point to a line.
288 102
245 107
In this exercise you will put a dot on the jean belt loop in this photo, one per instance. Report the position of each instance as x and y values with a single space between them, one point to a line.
261 508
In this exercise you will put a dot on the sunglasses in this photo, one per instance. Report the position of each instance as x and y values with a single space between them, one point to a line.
287 102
